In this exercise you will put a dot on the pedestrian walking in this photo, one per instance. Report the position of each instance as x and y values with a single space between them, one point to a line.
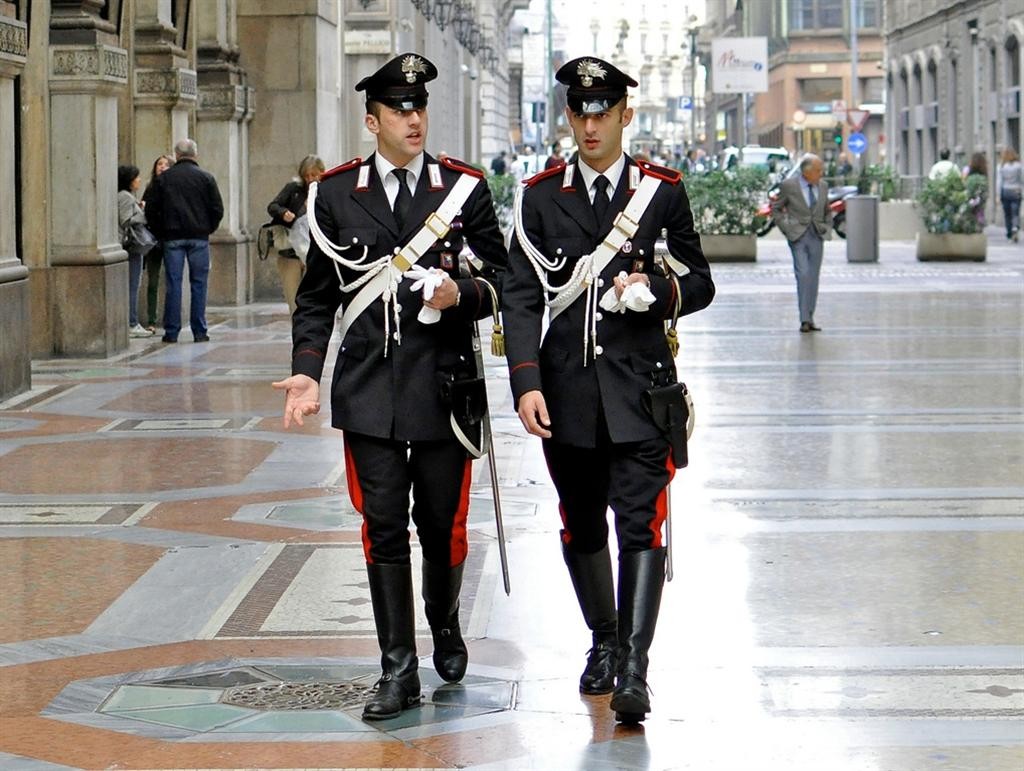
498 164
387 234
584 248
288 207
154 261
943 166
129 215
801 211
185 204
1010 185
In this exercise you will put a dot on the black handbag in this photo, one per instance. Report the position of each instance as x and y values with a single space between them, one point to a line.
138 240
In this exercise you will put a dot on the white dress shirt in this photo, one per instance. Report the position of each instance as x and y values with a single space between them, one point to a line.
384 168
613 173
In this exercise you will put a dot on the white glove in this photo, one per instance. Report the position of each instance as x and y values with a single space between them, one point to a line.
635 297
426 280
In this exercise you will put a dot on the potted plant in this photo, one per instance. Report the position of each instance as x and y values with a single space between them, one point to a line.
724 205
952 211
503 193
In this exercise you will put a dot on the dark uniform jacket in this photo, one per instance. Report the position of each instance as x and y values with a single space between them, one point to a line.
184 202
398 396
631 348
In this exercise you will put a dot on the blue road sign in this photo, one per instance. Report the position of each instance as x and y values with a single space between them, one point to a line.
685 103
857 143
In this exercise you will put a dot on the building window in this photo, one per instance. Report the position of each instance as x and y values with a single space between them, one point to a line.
805 15
643 42
820 90
867 14
645 83
872 90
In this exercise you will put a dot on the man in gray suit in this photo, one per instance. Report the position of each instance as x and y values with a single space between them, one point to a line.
804 217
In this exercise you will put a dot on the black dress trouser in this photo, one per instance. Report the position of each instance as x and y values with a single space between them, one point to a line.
381 473
631 477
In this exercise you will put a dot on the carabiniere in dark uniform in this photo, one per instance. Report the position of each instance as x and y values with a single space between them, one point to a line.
599 370
399 380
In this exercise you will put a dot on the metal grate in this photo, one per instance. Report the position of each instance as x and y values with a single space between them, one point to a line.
298 696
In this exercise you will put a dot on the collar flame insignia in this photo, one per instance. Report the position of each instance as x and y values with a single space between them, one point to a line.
412 65
588 70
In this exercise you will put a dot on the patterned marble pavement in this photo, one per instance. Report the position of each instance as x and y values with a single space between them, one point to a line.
183 583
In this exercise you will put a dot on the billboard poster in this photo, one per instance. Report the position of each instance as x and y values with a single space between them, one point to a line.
739 65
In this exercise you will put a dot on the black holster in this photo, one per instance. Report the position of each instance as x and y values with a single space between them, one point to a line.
466 396
666 405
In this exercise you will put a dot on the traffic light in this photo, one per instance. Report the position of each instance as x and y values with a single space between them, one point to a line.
837 136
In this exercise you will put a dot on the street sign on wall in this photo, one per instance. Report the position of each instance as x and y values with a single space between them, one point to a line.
739 65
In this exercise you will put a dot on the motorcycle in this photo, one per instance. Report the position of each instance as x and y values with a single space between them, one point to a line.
836 202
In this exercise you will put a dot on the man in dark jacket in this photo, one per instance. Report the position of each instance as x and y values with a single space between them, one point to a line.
183 207
584 249
386 236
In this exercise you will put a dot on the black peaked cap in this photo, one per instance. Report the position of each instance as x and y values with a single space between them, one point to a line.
401 83
594 84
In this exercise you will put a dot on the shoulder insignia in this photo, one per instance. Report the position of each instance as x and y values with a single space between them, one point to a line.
343 167
461 166
541 175
661 172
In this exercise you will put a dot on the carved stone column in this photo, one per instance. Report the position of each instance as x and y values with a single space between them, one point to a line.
225 103
87 279
164 89
15 345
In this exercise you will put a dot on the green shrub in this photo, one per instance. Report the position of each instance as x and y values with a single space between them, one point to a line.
878 179
952 205
503 193
726 202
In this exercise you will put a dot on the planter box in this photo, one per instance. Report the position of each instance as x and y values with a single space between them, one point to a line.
729 248
951 246
898 221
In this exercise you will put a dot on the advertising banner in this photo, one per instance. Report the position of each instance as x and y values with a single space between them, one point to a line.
739 65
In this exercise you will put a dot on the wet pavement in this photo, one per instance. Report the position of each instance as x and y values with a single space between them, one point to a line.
183 583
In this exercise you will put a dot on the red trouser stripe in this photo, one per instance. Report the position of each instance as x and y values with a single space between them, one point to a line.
459 543
661 504
355 493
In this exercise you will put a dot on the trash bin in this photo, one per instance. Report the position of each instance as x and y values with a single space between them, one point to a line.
862 228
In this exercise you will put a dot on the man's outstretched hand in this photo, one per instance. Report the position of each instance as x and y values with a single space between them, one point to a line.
301 398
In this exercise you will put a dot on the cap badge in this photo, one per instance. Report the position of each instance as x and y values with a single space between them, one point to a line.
588 70
412 65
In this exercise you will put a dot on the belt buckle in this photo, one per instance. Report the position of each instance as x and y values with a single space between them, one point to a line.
630 226
433 222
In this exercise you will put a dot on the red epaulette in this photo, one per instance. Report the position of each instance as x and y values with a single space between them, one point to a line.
672 176
343 167
545 174
461 166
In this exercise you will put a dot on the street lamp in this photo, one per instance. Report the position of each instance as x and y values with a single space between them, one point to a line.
693 31
443 12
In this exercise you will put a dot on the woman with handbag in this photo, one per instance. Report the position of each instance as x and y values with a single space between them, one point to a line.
286 208
135 238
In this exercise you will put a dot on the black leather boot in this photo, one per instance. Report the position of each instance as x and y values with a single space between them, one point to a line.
392 598
441 587
591 576
641 578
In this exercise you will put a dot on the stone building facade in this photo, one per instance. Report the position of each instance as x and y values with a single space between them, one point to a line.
86 85
954 80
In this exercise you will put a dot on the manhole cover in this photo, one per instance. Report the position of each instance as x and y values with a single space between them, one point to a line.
298 696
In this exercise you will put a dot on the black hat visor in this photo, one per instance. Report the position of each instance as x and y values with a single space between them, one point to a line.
592 101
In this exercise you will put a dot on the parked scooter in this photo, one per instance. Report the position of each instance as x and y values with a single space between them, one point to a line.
836 201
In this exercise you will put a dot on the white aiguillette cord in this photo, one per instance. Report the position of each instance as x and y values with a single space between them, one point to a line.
590 266
383 274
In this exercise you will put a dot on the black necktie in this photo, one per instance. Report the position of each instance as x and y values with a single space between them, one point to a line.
404 198
600 197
